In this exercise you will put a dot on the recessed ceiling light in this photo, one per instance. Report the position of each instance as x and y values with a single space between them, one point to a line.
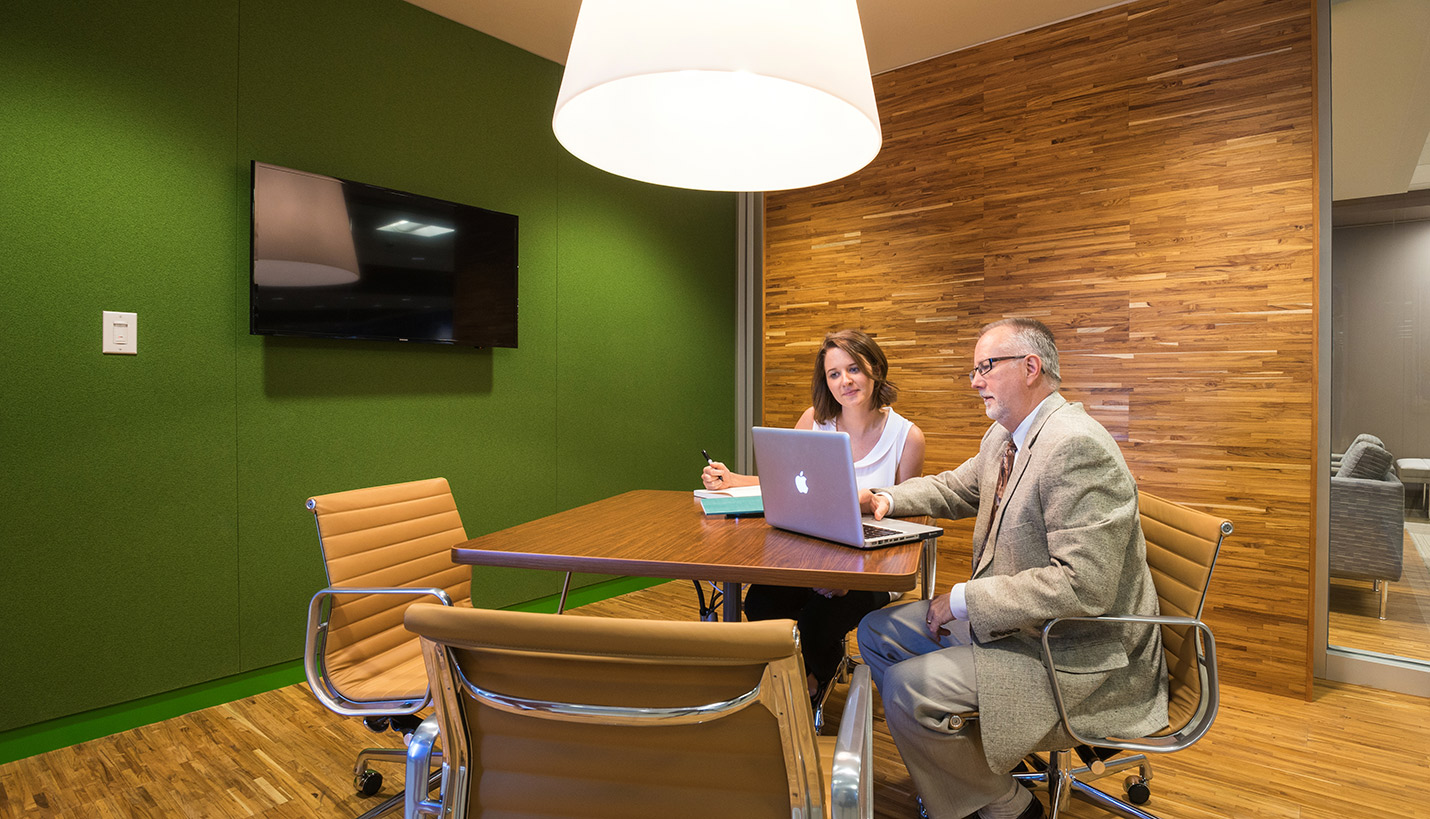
416 228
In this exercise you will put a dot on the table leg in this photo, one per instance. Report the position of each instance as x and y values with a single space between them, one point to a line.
733 609
930 566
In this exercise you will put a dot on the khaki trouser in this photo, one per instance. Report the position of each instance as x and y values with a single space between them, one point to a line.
923 683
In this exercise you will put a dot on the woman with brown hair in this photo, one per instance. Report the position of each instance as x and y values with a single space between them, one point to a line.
850 393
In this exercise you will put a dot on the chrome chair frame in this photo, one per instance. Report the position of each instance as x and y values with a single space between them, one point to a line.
1062 778
1206 662
851 784
780 690
316 672
321 684
315 669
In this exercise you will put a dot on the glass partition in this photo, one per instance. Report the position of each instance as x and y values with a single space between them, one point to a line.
1378 594
1372 594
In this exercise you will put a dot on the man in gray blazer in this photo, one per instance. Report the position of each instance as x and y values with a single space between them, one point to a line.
1057 534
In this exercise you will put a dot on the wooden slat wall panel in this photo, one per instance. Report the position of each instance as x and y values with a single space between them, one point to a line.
1141 179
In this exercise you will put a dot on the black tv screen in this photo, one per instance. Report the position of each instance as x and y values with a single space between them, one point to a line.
332 258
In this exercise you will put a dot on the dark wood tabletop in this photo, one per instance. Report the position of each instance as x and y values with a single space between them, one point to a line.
660 533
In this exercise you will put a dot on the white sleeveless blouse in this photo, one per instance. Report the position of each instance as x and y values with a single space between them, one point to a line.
881 466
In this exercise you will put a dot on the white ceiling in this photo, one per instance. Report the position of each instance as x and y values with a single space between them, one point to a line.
1380 91
896 32
1380 63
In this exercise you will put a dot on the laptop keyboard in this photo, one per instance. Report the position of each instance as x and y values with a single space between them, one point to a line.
871 531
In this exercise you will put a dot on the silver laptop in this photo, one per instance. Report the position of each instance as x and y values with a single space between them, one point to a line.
807 481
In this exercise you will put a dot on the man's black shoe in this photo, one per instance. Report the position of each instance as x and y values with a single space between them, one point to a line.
1033 811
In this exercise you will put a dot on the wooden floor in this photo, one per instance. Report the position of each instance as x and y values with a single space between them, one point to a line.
1350 753
1405 632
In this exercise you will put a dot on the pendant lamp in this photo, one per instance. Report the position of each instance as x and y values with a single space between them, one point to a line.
728 95
301 236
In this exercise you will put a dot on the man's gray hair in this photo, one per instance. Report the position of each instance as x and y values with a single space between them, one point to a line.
1033 336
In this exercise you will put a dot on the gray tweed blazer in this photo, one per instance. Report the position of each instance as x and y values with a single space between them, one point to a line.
1067 541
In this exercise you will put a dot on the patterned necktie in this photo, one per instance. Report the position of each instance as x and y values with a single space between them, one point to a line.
1005 468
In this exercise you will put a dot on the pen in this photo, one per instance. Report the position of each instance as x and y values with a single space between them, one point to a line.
709 460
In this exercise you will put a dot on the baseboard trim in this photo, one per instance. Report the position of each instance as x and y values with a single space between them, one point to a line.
62 732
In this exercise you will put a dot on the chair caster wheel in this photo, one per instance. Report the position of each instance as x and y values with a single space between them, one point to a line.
368 783
1137 791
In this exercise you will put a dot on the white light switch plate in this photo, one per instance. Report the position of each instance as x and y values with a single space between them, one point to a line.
121 333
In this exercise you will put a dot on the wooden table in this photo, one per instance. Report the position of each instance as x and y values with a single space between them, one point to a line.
658 533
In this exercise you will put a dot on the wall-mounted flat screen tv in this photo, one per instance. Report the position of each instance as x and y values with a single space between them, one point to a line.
332 258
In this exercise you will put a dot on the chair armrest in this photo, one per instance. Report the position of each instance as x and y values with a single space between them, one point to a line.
1206 664
316 671
851 786
420 752
1367 528
1376 493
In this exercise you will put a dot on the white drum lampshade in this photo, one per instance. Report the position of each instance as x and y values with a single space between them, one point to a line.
729 95
301 235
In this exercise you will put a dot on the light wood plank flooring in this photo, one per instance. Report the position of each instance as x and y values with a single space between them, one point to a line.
1351 752
1405 632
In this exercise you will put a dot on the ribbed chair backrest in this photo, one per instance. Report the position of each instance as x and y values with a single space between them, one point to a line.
549 715
385 536
1182 547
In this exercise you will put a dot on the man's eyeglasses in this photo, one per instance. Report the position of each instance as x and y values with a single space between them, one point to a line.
987 366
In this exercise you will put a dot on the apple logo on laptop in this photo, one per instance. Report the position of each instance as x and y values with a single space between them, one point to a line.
801 483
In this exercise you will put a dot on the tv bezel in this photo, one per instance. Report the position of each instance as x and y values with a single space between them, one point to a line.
504 341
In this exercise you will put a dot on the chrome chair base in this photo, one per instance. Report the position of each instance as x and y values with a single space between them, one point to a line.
366 755
394 803
842 675
1062 780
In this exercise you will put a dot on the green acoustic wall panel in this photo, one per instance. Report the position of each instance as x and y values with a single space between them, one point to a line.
154 535
647 358
389 94
116 521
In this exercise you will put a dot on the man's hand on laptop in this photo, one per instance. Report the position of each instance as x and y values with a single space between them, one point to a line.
876 505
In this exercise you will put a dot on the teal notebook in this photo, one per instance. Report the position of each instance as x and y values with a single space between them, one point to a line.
749 505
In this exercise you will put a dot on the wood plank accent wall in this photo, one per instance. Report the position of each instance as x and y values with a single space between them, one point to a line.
1140 179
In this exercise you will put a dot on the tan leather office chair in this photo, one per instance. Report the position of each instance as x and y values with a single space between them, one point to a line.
1182 548
597 717
383 547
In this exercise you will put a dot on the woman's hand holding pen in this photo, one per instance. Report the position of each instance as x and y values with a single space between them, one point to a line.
714 476
718 476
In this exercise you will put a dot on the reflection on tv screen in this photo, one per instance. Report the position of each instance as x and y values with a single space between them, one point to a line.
333 258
